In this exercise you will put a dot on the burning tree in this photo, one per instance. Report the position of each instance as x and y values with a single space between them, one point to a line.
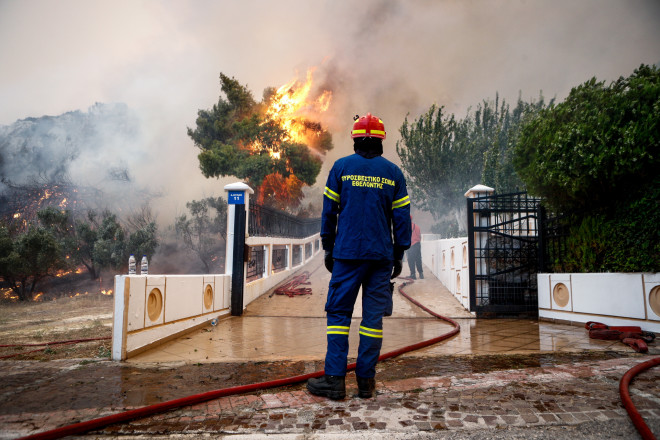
273 144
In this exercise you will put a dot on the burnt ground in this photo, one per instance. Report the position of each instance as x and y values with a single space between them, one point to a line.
79 311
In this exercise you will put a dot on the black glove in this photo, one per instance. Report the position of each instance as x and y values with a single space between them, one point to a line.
329 261
396 271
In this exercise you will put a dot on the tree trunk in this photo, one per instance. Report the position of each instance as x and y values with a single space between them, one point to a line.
22 293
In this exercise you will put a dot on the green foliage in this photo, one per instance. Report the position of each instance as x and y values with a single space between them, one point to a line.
27 258
60 225
443 157
236 138
144 241
590 151
102 242
55 242
633 235
596 156
203 232
627 240
586 244
143 238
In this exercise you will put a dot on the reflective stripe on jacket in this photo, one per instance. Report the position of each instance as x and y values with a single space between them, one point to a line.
366 210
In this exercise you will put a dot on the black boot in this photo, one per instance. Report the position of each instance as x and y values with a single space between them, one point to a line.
366 386
421 276
333 387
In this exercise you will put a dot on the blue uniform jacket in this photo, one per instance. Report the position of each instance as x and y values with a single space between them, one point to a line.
366 210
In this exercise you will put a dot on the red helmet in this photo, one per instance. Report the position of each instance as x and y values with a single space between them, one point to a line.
368 126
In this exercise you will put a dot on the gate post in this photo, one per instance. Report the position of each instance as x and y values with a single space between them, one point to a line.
541 223
477 239
238 199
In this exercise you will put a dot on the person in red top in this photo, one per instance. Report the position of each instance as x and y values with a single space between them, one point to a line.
415 252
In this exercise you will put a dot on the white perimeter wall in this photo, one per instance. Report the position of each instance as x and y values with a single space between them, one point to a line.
610 298
151 309
448 260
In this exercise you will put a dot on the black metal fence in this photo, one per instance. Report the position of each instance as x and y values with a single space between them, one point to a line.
269 222
279 258
503 249
296 258
255 266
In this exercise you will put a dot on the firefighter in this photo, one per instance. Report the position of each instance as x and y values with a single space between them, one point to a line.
414 254
365 230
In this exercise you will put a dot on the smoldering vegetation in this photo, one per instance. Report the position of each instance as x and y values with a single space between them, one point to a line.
86 161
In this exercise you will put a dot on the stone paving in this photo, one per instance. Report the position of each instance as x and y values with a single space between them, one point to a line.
562 395
476 403
575 397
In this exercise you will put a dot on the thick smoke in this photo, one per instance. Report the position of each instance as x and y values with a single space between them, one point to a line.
392 58
88 149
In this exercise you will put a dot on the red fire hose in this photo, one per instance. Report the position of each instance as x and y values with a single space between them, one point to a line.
82 427
291 288
635 416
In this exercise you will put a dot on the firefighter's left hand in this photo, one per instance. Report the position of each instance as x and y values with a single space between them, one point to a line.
398 267
329 261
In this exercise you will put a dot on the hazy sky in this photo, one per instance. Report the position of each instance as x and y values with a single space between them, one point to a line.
163 59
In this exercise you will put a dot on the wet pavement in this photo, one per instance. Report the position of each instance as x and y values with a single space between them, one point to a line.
495 379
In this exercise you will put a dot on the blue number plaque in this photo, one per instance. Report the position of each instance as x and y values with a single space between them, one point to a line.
236 198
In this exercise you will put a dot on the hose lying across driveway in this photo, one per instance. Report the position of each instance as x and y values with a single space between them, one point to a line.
82 427
635 416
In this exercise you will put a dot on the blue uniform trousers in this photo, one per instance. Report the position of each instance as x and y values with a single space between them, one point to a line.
347 278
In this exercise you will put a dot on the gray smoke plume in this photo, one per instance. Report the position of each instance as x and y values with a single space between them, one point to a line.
82 149
391 58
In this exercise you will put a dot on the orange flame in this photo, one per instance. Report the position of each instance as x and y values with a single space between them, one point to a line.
292 104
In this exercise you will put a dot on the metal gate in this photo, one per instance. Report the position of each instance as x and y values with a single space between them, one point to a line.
503 248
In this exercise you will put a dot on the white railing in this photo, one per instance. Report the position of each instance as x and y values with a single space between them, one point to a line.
151 309
271 278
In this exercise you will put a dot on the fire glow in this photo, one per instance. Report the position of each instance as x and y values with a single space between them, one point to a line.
291 105
296 107
26 201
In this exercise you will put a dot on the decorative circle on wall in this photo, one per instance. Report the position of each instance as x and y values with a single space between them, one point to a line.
154 304
561 294
208 296
654 300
